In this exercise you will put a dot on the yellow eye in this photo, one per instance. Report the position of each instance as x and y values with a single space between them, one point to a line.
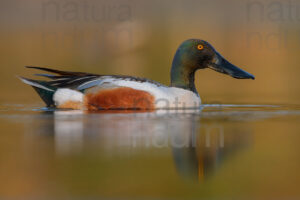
200 47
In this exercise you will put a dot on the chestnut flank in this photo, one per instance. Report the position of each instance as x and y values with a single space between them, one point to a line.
119 98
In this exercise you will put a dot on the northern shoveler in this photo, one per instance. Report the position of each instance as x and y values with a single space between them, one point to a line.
78 90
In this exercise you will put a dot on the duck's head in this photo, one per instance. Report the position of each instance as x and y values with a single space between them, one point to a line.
194 54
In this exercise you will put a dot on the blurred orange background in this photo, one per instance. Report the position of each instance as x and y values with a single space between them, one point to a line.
140 38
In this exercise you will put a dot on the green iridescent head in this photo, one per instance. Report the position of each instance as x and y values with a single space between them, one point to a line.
194 54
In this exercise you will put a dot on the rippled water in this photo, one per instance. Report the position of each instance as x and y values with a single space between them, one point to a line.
216 152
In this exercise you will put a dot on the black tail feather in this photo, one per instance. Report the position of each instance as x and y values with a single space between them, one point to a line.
64 79
67 73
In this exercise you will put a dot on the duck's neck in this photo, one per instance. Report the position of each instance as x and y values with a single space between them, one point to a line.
183 73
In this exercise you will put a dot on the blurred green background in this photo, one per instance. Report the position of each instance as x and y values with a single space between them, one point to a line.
140 38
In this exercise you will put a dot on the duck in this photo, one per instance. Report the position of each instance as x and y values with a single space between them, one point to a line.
88 91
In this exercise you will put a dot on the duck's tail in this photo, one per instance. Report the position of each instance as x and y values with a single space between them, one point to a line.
59 79
43 88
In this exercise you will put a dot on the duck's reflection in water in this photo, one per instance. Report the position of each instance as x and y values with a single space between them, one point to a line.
68 131
120 131
215 143
199 146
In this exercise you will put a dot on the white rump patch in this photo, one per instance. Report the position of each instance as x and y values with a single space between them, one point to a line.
64 95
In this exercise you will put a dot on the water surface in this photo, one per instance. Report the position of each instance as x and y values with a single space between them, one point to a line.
216 152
